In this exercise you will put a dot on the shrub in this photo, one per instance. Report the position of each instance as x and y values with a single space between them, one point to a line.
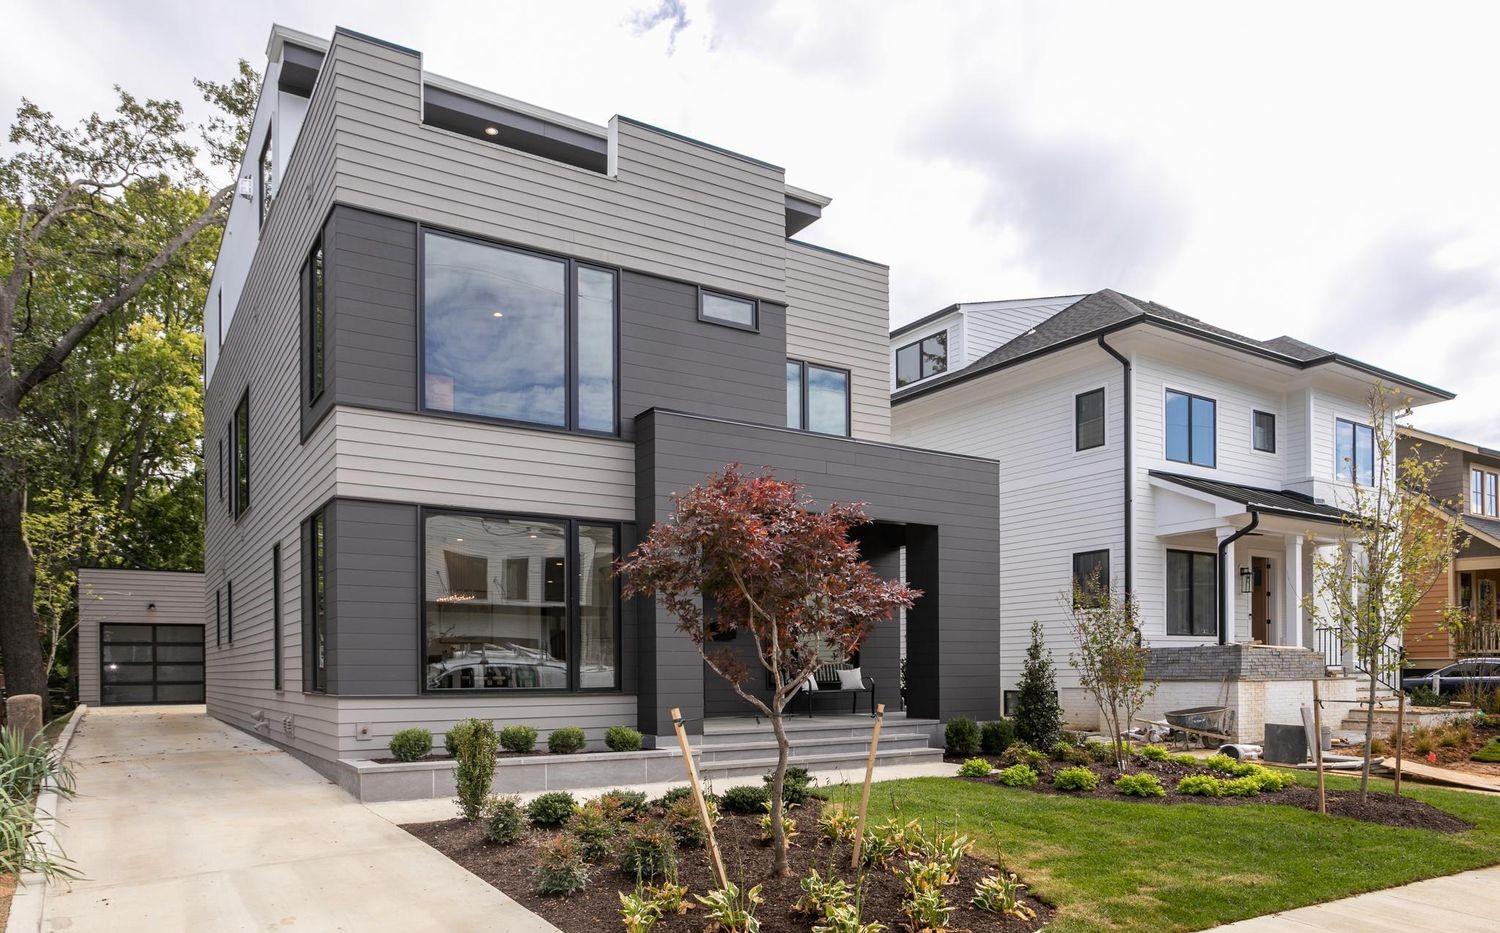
995 737
924 903
560 868
411 744
1153 752
503 822
1201 785
553 808
1422 743
1270 780
1140 785
1225 765
1017 776
1423 696
975 767
622 739
1038 715
1099 751
796 786
732 908
518 739
1240 787
1004 895
1023 754
1070 754
566 741
675 794
961 736
648 853
1079 779
685 825
474 745
450 739
837 824
1183 758
745 798
595 828
629 804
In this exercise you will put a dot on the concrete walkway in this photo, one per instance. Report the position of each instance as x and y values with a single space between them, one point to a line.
1456 904
182 823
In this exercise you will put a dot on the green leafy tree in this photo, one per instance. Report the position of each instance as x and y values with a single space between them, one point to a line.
92 222
1038 714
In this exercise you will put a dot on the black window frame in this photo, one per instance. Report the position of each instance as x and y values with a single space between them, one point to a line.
1101 555
263 179
1353 462
706 318
314 570
1213 463
229 611
315 316
239 470
1255 416
1078 400
570 336
218 618
155 662
575 626
221 469
920 345
276 671
805 365
1213 594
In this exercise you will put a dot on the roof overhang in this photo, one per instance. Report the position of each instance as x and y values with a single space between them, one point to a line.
802 208
1192 506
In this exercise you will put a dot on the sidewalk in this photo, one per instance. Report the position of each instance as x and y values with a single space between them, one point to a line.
1455 904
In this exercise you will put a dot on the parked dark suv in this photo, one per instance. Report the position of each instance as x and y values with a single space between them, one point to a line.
1459 677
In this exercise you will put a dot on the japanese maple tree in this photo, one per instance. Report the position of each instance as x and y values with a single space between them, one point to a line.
775 567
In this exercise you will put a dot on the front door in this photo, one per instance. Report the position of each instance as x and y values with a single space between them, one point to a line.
1260 601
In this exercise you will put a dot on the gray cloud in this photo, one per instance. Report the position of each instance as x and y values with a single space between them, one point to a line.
1399 281
672 12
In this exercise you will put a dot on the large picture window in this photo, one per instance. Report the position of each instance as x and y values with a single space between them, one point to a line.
515 603
817 398
922 358
1192 593
1190 428
517 336
1356 452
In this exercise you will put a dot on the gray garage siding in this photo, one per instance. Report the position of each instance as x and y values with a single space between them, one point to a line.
125 597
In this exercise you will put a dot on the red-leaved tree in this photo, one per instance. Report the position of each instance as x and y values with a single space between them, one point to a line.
774 567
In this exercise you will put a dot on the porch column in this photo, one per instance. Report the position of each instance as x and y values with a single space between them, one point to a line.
1291 614
1229 589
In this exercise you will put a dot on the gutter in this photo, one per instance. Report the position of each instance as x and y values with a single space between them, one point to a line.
1225 594
1127 516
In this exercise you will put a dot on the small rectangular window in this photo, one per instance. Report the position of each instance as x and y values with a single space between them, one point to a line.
794 394
267 179
821 396
276 616
726 309
1088 420
315 604
922 358
316 310
241 442
1192 593
1356 452
1190 428
1090 577
1264 431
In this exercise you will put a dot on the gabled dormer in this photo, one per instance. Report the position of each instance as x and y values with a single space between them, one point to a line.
960 334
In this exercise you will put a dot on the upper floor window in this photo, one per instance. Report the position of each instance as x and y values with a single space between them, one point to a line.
727 309
1484 492
517 336
314 302
817 398
1190 428
1088 420
266 170
241 443
1355 452
922 358
1263 431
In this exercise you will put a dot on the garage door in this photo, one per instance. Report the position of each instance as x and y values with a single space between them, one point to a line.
151 664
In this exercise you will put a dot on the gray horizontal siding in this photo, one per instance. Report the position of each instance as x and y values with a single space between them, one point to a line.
127 597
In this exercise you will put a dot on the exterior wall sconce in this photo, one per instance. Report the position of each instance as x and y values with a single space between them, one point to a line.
1245 579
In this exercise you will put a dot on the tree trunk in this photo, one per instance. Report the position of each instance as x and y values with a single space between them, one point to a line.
1364 772
20 643
778 831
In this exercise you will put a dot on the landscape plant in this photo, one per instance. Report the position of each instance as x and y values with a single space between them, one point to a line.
648 853
1003 894
1110 658
995 737
1017 776
796 788
411 744
961 736
1023 754
630 804
595 828
685 824
975 767
1075 779
560 868
518 739
566 741
474 745
745 798
777 568
1143 784
1038 717
924 903
503 821
622 739
553 808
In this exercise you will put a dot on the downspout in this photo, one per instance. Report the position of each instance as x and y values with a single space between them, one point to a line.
1225 594
1128 516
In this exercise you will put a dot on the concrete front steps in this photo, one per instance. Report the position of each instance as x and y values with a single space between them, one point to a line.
741 747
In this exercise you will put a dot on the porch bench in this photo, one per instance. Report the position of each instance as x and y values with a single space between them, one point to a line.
827 681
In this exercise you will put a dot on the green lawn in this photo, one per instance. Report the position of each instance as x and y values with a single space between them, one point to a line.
1114 865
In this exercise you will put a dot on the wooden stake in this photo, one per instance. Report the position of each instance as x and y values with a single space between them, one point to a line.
692 773
1317 744
1400 734
864 796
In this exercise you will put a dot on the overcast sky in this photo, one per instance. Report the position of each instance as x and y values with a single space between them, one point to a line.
1326 170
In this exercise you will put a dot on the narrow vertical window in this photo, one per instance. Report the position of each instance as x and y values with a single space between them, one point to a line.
827 400
1355 446
794 394
598 612
267 179
315 604
218 619
596 349
229 610
276 616
1476 492
221 469
242 455
1491 494
316 313
1263 431
1088 420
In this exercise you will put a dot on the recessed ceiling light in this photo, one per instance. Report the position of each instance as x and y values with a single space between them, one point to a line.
491 131
497 314
459 540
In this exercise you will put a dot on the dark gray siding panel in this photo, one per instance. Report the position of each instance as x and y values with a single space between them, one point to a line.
374 309
373 599
670 359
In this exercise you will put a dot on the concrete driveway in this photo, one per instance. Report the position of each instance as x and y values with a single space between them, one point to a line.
182 823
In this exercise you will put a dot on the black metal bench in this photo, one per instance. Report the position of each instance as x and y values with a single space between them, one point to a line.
827 679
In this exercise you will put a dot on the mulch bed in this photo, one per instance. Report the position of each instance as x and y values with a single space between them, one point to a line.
597 907
1385 809
1455 756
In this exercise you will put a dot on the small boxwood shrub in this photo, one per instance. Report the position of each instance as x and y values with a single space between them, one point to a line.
675 794
518 739
1017 776
796 786
630 804
648 853
560 868
566 741
411 744
1153 752
502 820
961 736
1140 785
746 798
975 767
553 808
995 737
1022 754
1075 779
1201 785
622 739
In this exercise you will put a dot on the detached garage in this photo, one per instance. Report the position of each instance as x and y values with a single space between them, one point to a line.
140 637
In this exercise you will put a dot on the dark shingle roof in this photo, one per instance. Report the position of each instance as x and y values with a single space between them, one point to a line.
1276 501
1486 526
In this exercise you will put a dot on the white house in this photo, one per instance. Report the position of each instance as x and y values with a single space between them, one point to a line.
1194 467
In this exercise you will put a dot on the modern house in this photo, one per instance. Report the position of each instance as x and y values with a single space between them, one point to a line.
463 349
1468 482
1194 468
